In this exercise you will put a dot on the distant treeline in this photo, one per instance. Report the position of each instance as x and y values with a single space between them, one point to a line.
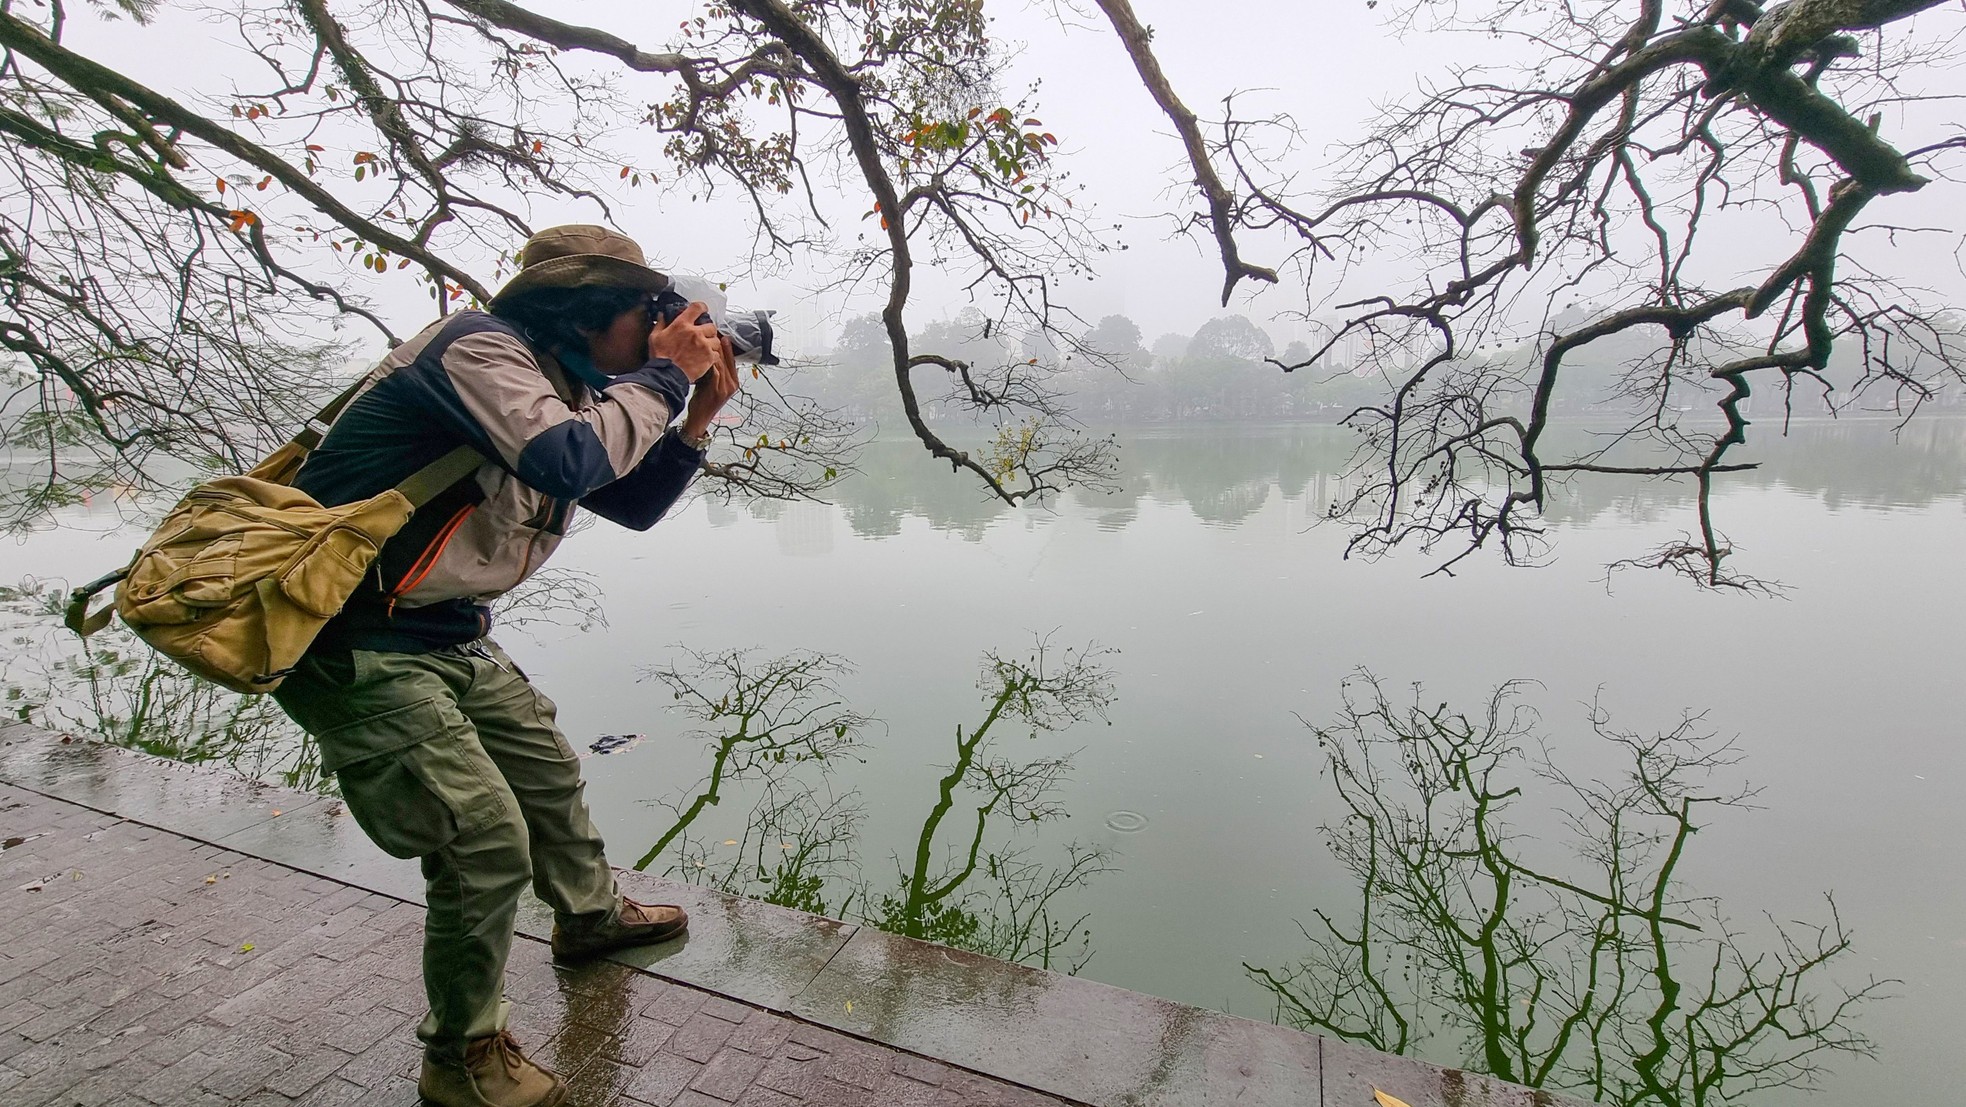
1231 368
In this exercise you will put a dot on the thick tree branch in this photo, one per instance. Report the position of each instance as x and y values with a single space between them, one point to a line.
1222 217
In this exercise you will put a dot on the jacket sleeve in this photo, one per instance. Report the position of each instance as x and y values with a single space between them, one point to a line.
562 451
638 500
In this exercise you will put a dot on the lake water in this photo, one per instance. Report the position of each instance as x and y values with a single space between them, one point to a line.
1235 620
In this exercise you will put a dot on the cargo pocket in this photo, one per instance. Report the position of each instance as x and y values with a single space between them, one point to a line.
414 781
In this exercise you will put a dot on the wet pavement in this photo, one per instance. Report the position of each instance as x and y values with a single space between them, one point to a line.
174 935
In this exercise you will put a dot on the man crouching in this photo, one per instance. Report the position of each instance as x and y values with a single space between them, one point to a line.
443 749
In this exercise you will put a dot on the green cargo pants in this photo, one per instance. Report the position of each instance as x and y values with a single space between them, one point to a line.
453 757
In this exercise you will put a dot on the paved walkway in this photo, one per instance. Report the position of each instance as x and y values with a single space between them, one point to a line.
174 936
138 965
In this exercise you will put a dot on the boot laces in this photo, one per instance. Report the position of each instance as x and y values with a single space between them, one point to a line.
502 1047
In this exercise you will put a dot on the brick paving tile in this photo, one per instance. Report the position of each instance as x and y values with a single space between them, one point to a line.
758 1095
899 1091
601 1082
762 1033
126 981
728 1074
675 1006
663 1079
306 1070
700 1038
639 1042
827 1092
729 1010
858 1063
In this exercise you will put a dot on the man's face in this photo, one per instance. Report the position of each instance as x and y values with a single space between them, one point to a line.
623 345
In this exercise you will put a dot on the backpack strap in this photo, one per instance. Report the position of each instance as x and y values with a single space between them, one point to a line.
78 617
310 435
425 484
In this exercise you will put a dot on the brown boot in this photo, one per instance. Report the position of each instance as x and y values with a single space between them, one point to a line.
637 924
494 1074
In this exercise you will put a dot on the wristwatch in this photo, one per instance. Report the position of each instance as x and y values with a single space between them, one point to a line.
699 443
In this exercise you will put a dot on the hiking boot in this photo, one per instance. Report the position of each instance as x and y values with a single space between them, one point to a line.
637 924
494 1074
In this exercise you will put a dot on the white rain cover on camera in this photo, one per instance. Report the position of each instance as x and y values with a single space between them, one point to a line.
749 331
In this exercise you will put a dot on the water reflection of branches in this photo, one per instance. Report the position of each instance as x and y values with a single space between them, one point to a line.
771 717
115 688
796 850
570 599
1613 981
1011 918
762 716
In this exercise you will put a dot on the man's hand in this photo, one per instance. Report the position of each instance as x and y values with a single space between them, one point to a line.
695 347
713 390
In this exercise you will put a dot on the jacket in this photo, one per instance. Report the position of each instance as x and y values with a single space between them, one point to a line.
552 444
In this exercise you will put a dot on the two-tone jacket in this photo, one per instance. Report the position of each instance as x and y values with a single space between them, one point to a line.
550 442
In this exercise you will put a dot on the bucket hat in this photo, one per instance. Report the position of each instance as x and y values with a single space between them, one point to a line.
578 255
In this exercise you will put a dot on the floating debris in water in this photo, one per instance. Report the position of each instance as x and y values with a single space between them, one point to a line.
616 743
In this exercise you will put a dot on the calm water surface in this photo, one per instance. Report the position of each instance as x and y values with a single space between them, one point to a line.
1234 621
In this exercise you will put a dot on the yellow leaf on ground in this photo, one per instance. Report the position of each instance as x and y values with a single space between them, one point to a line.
1385 1100
248 948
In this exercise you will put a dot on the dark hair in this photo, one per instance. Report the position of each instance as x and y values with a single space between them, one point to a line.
555 318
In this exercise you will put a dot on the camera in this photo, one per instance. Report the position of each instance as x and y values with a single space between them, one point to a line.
749 331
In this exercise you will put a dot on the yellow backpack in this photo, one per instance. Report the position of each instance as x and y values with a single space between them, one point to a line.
245 571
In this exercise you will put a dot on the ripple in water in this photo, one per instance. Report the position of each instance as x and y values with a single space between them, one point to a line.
1126 822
